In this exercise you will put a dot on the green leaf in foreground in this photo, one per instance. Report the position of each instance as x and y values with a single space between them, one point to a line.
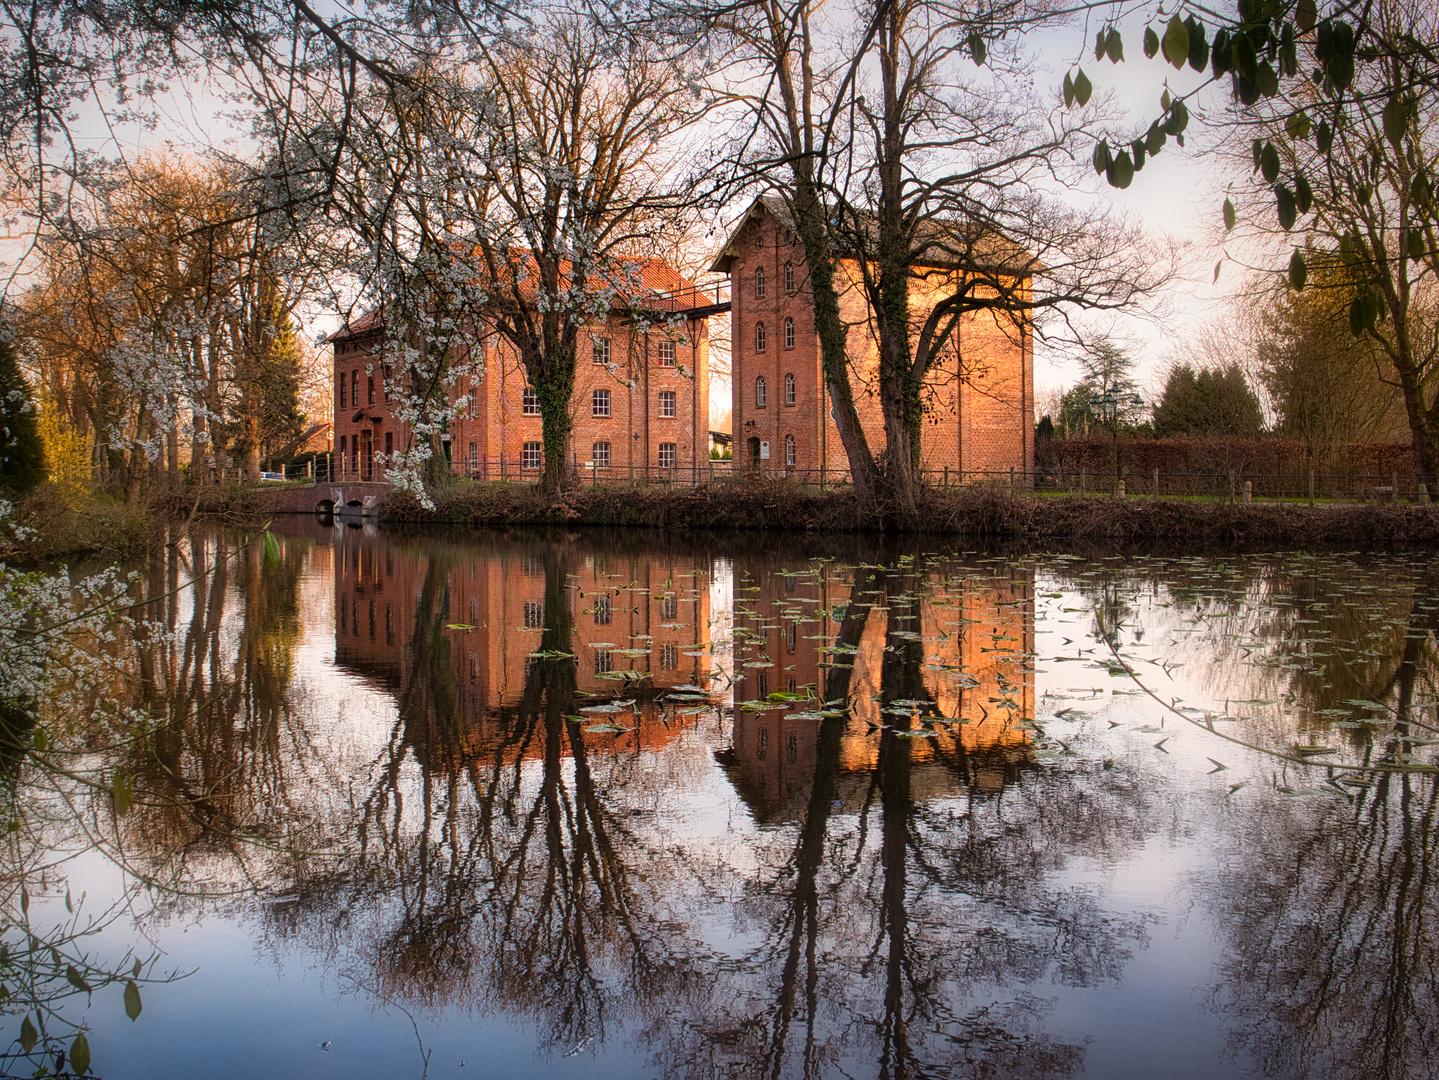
132 1000
80 1054
272 550
28 1035
123 792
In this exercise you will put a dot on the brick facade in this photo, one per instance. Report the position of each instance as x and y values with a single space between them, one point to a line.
975 425
657 401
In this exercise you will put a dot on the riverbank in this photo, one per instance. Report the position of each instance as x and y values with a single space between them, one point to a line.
974 515
55 523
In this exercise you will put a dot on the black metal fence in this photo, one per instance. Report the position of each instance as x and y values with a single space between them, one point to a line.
1234 486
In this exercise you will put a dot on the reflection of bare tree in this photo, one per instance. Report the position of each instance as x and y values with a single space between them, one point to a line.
903 940
511 877
1329 920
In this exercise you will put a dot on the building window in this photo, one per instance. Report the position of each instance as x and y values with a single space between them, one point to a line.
789 449
344 445
530 402
604 661
370 389
791 638
600 455
604 611
474 457
789 389
390 446
534 614
601 347
355 388
340 390
759 393
667 403
669 607
669 657
789 333
667 354
600 403
474 401
667 455
759 281
532 455
789 277
759 337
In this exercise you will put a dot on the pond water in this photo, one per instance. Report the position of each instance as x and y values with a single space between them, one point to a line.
597 805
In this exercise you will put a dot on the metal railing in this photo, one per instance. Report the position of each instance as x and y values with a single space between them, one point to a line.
1236 486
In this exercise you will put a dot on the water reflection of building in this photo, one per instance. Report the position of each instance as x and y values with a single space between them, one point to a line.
457 633
974 666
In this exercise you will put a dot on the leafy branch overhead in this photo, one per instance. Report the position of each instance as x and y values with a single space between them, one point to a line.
1368 72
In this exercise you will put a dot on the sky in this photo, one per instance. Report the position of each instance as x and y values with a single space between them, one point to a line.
1178 194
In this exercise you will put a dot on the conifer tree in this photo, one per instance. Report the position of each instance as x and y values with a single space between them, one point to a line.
22 454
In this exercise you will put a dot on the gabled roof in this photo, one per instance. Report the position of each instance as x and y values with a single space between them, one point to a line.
374 319
952 246
652 276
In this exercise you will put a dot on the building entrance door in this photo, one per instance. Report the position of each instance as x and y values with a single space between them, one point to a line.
754 453
367 455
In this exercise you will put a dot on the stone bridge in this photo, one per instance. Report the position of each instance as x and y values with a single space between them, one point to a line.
358 499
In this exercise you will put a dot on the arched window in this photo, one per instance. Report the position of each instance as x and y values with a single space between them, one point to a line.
789 333
759 281
789 449
789 389
759 394
760 337
789 277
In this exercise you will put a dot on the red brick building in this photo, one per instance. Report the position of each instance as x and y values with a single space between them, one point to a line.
977 424
641 397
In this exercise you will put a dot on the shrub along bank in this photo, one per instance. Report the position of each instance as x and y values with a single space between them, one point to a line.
972 515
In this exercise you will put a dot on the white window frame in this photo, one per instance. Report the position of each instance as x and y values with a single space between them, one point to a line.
601 350
761 394
530 401
670 450
668 404
667 354
600 406
532 455
600 454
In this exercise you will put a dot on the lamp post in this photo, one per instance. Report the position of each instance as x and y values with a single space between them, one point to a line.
1109 407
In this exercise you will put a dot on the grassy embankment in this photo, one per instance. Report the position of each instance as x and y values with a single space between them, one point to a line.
970 514
70 526
58 522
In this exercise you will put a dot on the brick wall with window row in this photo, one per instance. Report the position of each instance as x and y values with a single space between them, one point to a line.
636 379
978 395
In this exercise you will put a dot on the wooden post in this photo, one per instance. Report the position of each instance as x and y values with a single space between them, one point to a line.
1156 483
1423 494
1248 490
1011 479
1231 485
1394 486
946 476
1311 489
1083 475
